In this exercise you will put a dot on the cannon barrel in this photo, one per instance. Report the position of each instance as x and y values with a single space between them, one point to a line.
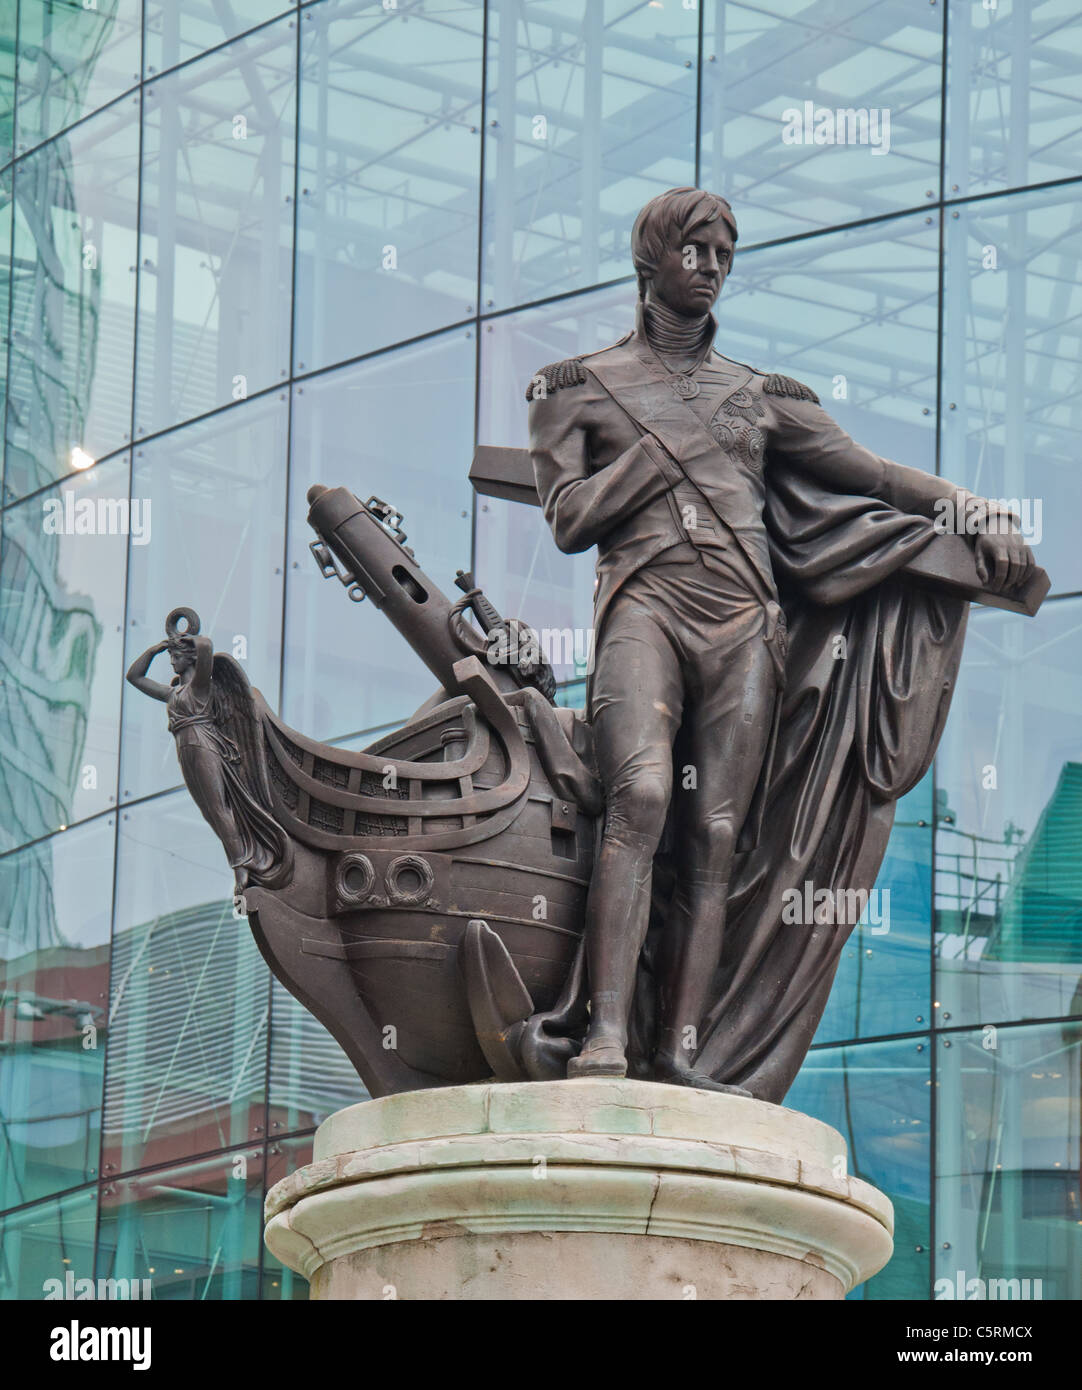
368 542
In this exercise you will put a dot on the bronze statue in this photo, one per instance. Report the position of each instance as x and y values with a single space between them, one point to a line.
211 719
504 888
703 482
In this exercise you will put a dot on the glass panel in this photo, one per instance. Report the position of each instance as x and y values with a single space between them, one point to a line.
73 300
878 1095
1012 310
390 116
189 1002
62 573
1008 878
175 32
883 977
310 1075
7 211
1007 1164
7 88
1014 113
283 1158
401 426
517 561
216 490
814 116
193 1232
216 233
47 1242
54 980
73 59
591 112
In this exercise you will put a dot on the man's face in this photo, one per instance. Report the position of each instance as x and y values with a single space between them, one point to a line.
692 271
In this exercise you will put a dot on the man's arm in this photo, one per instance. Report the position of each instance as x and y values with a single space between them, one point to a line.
807 438
580 506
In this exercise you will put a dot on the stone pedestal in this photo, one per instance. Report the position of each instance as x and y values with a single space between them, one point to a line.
591 1189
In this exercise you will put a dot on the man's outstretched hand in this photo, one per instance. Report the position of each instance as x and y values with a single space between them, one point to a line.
1004 560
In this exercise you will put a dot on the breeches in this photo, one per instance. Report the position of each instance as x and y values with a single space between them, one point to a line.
683 684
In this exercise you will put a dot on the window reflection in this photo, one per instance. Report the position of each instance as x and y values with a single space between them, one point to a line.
215 246
1008 886
399 426
310 1075
72 59
62 571
45 1242
591 112
189 997
1013 298
1008 1196
1014 110
54 982
390 156
878 1096
193 1231
174 33
216 490
765 59
73 299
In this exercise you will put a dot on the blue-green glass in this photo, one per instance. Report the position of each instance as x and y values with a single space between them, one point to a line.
42 1244
401 426
8 15
1008 873
1007 1164
215 248
590 112
73 300
1014 104
883 980
187 1047
217 495
814 115
878 1096
73 58
389 185
283 1158
7 211
173 32
1012 300
193 1231
62 571
54 982
310 1075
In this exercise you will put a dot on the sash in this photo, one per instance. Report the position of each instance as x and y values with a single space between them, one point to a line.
642 388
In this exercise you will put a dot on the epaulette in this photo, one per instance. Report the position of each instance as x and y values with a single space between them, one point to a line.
570 372
776 385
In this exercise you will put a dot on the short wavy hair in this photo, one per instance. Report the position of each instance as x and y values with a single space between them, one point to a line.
671 216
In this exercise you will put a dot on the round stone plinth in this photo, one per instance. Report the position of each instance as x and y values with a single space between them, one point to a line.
586 1189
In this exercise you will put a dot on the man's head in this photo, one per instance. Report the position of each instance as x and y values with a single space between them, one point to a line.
682 246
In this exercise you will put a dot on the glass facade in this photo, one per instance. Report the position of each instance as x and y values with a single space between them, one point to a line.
251 247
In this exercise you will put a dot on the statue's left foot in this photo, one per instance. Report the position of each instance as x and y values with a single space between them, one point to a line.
697 1080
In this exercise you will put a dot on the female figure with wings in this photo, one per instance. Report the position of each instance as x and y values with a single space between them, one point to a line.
213 719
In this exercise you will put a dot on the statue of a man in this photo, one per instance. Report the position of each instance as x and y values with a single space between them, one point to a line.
664 454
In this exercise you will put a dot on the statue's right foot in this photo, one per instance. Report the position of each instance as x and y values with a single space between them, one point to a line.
601 1058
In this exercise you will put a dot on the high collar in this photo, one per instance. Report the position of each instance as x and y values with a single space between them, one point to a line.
640 324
